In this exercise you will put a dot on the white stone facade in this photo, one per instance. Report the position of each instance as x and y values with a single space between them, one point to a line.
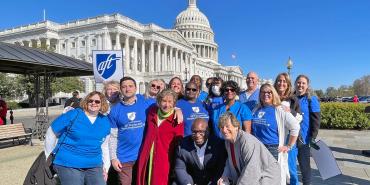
150 50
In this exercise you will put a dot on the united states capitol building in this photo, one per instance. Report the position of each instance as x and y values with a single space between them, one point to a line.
150 51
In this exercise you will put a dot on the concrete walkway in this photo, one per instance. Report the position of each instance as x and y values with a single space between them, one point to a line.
346 146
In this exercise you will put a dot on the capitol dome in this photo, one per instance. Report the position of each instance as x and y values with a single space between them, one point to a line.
192 16
195 27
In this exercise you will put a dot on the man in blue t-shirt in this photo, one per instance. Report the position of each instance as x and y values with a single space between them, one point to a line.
127 119
191 107
251 96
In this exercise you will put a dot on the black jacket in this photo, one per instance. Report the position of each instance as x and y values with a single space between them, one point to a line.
188 168
37 173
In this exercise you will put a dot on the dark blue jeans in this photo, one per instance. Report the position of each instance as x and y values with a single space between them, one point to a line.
273 150
80 176
304 163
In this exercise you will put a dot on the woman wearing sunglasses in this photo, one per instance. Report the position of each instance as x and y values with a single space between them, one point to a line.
79 139
271 125
153 88
191 107
230 89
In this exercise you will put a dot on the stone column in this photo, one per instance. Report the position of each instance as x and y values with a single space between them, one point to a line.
38 43
158 63
47 43
118 42
176 66
134 53
29 44
99 42
88 47
143 62
57 46
68 52
182 63
170 63
204 51
151 56
77 40
165 59
127 54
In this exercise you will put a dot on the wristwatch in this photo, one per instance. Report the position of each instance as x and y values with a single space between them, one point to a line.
289 147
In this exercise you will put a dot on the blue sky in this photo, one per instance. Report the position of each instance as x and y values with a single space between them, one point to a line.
328 40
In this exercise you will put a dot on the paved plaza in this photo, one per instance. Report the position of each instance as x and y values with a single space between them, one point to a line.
346 146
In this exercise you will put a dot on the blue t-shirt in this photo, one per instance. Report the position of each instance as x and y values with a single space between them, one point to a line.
315 107
191 111
130 122
264 125
241 112
202 96
253 99
81 147
214 102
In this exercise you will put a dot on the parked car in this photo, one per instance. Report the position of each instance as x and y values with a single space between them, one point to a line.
364 99
347 99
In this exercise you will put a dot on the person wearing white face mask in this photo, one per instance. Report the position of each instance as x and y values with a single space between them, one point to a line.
214 96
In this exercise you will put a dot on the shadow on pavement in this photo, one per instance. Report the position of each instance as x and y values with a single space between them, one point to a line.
347 151
354 161
336 180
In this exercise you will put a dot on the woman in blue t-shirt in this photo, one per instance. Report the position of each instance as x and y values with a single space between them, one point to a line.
230 89
79 139
310 108
271 125
214 97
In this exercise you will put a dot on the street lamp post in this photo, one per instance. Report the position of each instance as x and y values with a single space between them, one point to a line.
289 65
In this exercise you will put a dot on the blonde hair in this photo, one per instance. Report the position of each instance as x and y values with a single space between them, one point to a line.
147 93
104 104
228 116
289 90
275 96
111 83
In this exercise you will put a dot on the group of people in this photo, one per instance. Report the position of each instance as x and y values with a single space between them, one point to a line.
180 134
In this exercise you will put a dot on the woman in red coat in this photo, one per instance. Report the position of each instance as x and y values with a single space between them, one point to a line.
162 135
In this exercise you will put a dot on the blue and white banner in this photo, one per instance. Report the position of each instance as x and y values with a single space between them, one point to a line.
108 65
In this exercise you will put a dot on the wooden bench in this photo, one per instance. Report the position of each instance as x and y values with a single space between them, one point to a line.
15 132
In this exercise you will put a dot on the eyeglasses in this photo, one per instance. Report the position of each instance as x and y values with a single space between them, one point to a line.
96 101
195 132
191 89
229 90
156 86
266 92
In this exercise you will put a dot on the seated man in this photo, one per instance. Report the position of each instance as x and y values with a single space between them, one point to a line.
199 159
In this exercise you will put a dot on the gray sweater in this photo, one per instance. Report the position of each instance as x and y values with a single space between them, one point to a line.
256 164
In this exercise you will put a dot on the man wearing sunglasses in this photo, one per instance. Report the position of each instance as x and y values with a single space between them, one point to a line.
200 159
191 107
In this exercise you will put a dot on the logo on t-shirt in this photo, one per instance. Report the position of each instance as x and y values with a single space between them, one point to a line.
260 114
195 109
131 115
